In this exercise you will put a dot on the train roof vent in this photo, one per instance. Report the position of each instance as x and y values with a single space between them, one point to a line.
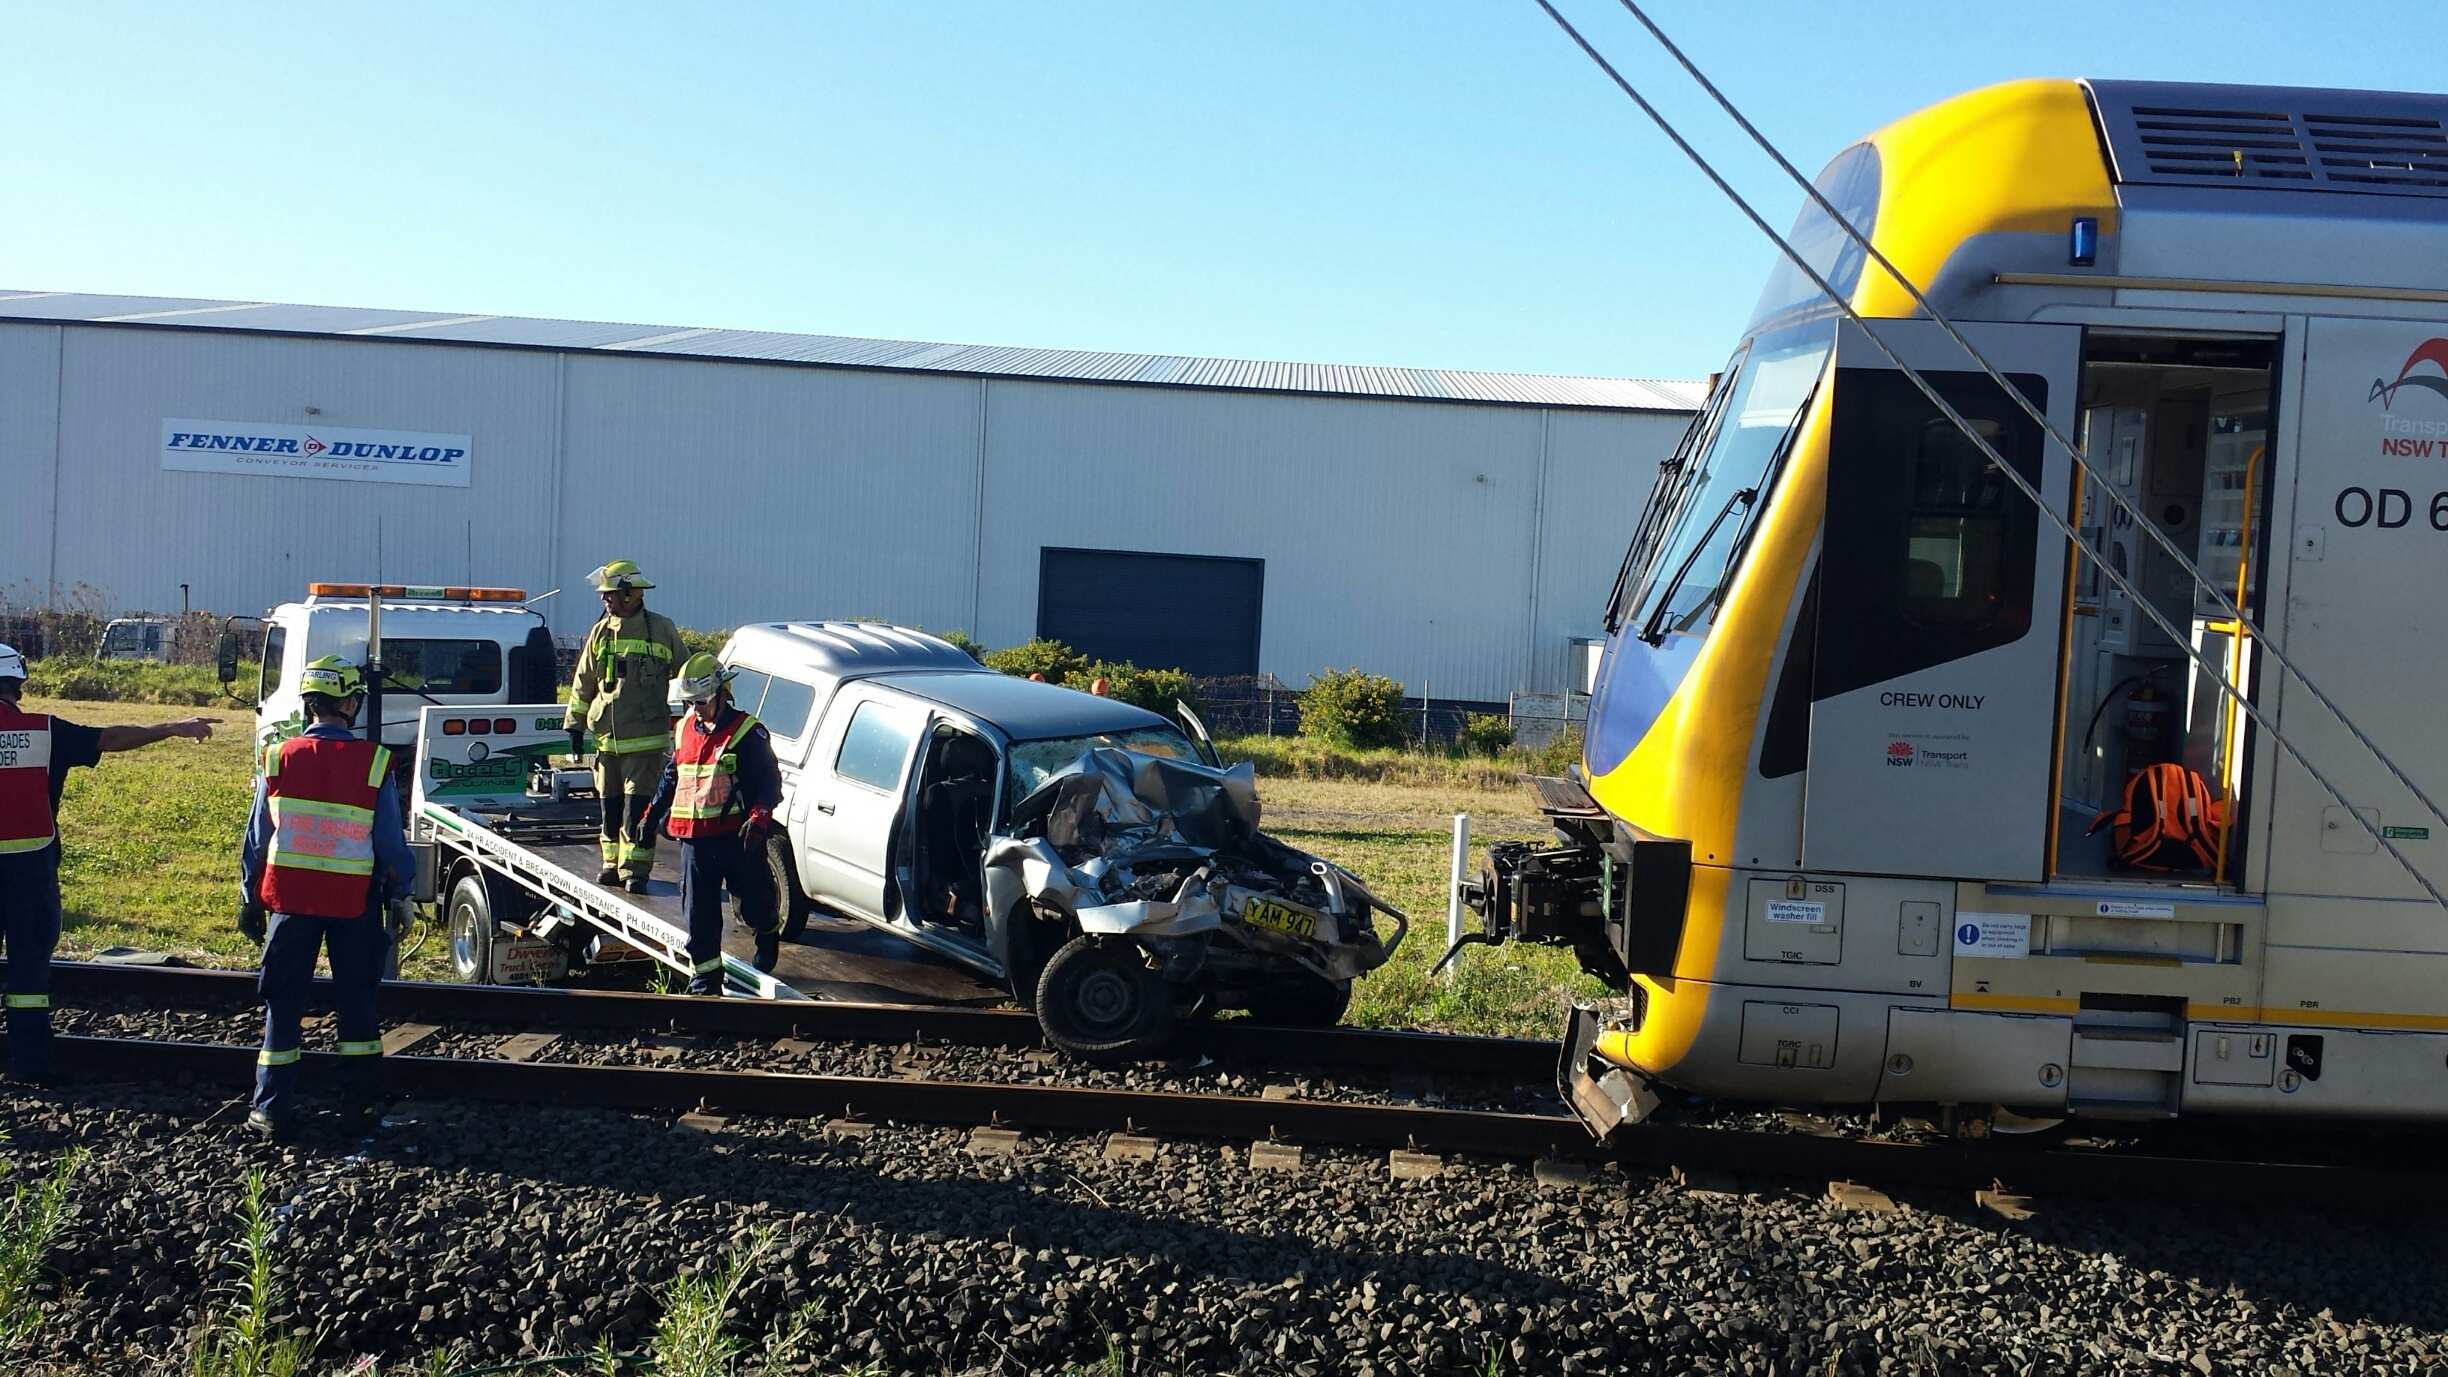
2273 138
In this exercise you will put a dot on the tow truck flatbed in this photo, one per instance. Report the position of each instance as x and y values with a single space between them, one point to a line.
488 803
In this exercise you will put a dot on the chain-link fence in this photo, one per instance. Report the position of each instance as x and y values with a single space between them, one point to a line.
1249 705
1263 705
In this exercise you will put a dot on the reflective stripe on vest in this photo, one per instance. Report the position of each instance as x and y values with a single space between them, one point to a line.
613 646
321 793
705 766
29 1001
25 781
630 745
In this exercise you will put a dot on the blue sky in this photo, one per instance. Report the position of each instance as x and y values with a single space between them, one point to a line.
1434 183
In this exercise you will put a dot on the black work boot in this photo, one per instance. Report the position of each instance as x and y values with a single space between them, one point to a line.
768 951
635 884
607 876
276 1128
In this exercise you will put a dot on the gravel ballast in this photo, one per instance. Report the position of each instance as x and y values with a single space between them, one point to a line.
519 1232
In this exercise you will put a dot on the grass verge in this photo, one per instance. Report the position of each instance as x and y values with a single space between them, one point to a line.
150 860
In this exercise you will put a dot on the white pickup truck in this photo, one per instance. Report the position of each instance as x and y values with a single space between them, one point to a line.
1087 854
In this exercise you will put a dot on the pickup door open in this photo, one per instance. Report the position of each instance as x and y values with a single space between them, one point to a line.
853 782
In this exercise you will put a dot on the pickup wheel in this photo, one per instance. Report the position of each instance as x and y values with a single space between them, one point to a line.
795 906
1302 1001
1100 1001
470 927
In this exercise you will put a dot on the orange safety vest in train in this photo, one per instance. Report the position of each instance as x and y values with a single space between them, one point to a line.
26 823
322 794
705 796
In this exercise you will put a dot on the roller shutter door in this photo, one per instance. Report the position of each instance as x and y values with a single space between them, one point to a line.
1193 612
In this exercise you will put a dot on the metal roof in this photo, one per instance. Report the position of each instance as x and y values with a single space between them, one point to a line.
840 351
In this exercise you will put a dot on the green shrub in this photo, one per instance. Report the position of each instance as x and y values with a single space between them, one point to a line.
130 681
1056 661
1484 733
1349 707
964 642
704 642
1559 755
1157 690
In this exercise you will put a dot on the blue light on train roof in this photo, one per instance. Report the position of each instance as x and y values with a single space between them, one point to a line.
2083 249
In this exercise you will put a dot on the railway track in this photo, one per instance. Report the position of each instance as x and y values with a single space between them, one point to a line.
932 1099
1518 1060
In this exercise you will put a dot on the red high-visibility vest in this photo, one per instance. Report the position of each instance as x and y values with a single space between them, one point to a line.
26 823
705 796
322 793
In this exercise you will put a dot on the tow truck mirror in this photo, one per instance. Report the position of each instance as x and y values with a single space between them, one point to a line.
225 657
534 668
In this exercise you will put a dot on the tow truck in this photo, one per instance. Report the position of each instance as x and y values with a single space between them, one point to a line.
502 820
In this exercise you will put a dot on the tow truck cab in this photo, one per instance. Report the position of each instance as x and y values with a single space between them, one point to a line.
446 646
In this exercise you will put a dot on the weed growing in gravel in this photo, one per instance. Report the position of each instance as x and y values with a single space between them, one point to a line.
241 1341
1113 1364
30 1218
690 1342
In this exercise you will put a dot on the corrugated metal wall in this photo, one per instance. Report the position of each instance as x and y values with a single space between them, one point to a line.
1456 547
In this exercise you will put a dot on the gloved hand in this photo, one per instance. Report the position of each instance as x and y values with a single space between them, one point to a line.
577 736
758 827
252 921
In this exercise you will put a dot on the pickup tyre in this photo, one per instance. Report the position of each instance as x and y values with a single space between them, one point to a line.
796 907
1102 1001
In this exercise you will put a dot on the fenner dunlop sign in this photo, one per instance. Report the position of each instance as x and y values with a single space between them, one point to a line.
270 450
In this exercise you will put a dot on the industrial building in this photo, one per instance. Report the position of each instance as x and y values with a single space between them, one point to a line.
1456 530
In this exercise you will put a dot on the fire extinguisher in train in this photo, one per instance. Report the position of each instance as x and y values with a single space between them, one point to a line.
2145 729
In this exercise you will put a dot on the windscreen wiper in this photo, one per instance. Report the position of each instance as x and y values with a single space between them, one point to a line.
1651 630
1767 483
1644 535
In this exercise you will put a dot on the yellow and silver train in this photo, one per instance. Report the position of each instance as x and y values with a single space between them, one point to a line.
1844 830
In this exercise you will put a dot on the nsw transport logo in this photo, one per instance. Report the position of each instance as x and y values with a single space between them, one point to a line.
1899 755
2433 352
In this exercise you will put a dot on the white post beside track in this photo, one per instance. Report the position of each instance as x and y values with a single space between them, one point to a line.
1453 893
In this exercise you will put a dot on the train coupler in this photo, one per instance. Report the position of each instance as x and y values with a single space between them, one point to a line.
1605 1097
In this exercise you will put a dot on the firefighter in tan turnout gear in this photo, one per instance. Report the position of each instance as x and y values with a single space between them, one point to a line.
619 695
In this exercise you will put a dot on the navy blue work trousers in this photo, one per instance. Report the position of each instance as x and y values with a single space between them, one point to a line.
29 929
357 946
707 866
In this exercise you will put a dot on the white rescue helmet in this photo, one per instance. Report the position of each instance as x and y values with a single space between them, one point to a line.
699 679
12 664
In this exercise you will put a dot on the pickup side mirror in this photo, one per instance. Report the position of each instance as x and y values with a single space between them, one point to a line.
225 657
1198 733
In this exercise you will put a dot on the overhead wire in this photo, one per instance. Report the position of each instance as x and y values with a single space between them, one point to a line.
2024 485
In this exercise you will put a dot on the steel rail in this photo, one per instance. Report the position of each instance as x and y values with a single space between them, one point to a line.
1322 1123
1521 1060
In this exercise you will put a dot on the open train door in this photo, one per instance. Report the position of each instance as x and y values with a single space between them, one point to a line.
1935 682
